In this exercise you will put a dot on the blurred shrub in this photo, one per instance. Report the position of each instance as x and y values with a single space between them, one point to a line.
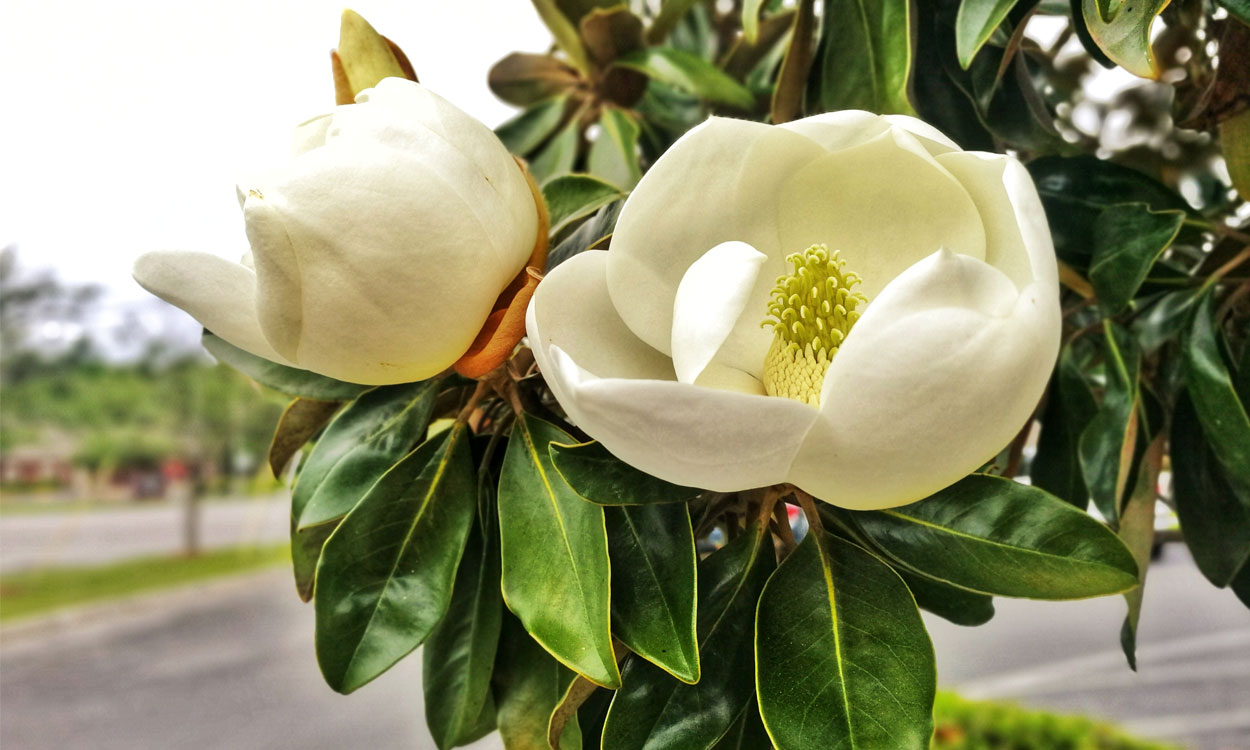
962 724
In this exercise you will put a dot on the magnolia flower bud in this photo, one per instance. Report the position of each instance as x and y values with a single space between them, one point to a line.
848 303
378 250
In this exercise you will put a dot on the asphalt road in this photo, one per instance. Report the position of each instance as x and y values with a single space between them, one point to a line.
94 536
231 665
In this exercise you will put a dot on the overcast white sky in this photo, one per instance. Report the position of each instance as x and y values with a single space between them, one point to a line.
127 123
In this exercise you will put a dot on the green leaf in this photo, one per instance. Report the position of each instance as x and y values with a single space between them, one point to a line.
864 57
837 631
524 79
365 55
1220 410
1213 508
995 536
459 656
558 155
301 420
655 710
1083 35
530 684
386 574
653 585
288 380
1137 531
1075 190
593 233
957 605
977 19
360 445
576 196
1107 442
747 732
751 19
555 556
306 549
1121 28
1241 585
689 73
564 31
614 154
1056 466
1163 320
528 130
602 478
1128 239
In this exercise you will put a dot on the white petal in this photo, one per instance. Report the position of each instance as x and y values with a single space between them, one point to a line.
851 127
719 182
710 299
702 437
884 205
310 134
934 140
219 294
942 371
571 309
1016 233
388 276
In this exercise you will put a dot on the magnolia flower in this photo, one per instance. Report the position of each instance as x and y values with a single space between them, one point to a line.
848 303
378 250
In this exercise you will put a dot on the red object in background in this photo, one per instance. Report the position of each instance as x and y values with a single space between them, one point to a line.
174 469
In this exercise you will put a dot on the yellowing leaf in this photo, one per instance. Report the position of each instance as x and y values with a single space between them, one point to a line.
1121 28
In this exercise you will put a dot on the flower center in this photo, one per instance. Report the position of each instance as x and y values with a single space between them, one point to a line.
811 311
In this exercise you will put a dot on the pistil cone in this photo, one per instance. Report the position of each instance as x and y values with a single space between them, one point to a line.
505 326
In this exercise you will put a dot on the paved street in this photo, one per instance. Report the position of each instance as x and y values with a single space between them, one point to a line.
91 537
230 665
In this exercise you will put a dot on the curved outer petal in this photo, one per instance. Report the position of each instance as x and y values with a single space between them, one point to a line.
219 294
710 298
851 127
380 254
719 182
621 392
885 204
938 375
1017 237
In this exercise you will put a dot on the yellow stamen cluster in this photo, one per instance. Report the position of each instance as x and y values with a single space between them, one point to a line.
811 311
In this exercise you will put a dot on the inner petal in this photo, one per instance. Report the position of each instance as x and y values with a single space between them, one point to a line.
885 204
710 299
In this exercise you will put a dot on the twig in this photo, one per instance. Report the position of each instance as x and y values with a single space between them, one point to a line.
781 520
478 394
1075 281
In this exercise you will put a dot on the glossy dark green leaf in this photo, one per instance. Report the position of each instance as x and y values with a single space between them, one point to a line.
1056 466
558 155
288 380
593 233
1128 239
1220 410
836 628
995 536
576 196
957 605
614 154
1121 29
555 555
653 585
385 576
305 554
1075 190
1163 319
864 57
1137 531
747 732
362 443
689 73
977 19
1213 508
302 419
1241 585
1107 442
459 656
654 710
1083 35
591 715
530 129
529 684
602 478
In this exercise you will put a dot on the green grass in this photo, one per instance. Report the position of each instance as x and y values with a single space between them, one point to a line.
962 724
33 592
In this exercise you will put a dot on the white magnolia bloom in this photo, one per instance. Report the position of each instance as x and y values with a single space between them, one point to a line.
378 250
910 349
